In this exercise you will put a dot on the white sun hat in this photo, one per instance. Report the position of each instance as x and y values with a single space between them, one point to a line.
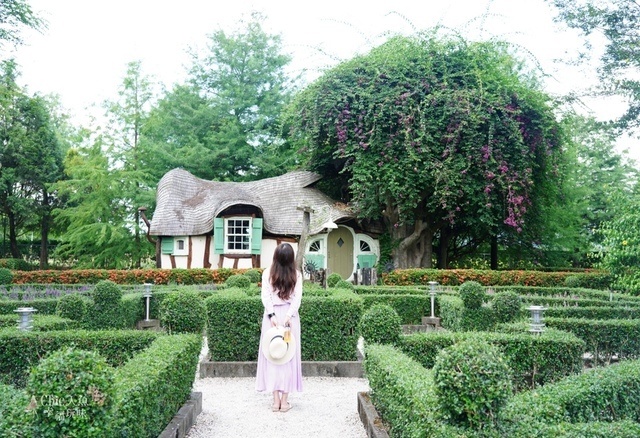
275 348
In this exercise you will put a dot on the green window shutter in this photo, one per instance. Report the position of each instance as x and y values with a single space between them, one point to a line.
167 245
218 235
366 260
256 235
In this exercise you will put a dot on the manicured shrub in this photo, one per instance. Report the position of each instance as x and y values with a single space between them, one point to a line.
333 278
506 306
472 294
255 275
72 306
343 284
107 309
472 382
183 312
72 391
572 281
6 276
380 324
238 280
16 264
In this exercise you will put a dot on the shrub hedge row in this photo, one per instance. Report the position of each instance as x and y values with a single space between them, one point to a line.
329 325
152 386
534 359
130 276
40 322
453 277
19 351
146 393
593 312
410 307
603 338
403 393
601 394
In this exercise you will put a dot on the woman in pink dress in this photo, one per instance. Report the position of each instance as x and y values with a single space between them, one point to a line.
281 296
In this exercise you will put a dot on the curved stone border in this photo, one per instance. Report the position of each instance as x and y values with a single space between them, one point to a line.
185 418
309 369
370 418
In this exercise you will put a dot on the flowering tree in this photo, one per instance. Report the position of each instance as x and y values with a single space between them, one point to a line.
427 134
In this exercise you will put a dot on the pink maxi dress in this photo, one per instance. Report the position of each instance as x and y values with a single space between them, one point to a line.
285 377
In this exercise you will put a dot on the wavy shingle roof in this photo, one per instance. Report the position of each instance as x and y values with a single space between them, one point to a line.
187 205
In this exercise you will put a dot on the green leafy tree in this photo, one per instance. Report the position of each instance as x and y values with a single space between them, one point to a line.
425 133
621 242
223 124
616 23
30 161
15 15
128 151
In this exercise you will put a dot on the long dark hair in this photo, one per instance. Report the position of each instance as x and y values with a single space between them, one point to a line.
283 275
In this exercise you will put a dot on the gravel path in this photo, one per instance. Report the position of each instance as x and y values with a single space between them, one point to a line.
231 408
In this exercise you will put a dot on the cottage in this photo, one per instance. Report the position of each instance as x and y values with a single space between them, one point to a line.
211 224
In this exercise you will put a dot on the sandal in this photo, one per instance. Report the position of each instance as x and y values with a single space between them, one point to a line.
275 408
287 408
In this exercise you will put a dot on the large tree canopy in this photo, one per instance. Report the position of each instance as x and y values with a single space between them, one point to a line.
617 24
428 134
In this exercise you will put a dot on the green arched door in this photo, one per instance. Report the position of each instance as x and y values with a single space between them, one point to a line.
340 252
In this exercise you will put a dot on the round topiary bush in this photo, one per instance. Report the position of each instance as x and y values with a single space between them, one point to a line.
506 306
106 312
6 276
572 281
472 294
254 275
344 284
472 382
72 306
71 394
332 279
380 324
238 280
183 312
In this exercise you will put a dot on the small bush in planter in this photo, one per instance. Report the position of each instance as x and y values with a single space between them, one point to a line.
72 306
344 284
380 324
183 312
472 294
333 278
6 276
71 394
238 280
472 382
506 306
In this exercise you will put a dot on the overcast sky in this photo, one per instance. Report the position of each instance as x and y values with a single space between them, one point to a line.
82 56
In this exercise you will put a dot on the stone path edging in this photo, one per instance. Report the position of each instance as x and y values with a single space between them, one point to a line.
370 418
185 418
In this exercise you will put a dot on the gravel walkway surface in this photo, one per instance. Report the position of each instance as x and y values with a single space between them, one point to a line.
231 408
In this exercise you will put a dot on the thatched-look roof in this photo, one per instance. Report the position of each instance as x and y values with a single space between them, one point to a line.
186 205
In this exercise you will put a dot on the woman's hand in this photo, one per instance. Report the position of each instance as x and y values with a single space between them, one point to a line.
274 321
287 321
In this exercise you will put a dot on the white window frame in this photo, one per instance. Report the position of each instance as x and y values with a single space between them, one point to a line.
230 222
185 246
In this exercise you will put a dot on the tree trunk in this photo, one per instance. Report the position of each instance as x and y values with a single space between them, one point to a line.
443 249
44 231
138 244
494 252
409 253
13 238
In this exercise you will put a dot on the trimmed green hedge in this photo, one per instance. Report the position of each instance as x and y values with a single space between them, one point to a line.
456 317
328 326
403 393
603 338
152 386
20 351
410 307
454 277
45 306
593 312
40 322
534 359
601 394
